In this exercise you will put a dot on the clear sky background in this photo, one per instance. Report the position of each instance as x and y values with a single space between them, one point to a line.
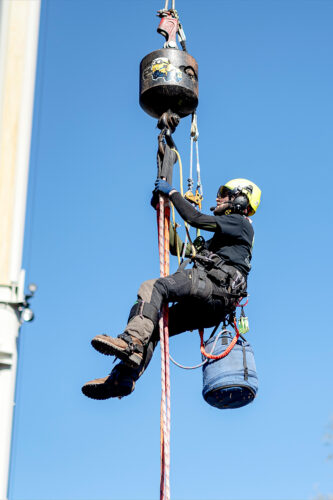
265 113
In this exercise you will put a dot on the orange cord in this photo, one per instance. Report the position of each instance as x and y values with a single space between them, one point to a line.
224 353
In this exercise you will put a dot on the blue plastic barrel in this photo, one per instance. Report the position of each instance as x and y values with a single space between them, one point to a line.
230 382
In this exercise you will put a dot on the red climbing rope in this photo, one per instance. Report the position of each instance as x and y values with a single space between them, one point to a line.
163 220
224 353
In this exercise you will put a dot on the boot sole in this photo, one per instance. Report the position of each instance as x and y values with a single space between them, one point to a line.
133 361
107 390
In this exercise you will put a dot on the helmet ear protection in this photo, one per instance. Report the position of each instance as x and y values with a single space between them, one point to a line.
240 203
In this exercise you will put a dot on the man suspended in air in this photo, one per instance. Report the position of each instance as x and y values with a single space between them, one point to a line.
202 295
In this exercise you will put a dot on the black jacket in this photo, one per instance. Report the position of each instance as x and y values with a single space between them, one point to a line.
233 234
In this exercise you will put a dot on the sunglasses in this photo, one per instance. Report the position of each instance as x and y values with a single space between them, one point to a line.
223 192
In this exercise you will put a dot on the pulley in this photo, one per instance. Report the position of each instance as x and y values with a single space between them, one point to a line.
169 76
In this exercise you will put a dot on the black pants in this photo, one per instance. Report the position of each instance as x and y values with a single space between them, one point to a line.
199 304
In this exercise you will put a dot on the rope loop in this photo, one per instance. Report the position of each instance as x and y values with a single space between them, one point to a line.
224 353
242 305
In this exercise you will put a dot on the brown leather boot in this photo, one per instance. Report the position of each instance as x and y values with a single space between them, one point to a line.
127 348
118 384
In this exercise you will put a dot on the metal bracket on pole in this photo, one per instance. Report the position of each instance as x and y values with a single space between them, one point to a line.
14 297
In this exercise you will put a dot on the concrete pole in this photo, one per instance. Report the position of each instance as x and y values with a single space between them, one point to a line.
19 26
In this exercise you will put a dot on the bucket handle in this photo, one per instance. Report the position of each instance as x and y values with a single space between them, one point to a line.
224 353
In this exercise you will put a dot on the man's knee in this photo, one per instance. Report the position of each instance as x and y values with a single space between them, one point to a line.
161 285
146 290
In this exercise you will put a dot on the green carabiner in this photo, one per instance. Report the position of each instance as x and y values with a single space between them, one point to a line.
243 323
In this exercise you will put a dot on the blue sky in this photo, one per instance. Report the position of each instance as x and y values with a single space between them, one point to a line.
265 113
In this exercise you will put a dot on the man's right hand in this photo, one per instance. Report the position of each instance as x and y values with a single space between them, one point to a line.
163 187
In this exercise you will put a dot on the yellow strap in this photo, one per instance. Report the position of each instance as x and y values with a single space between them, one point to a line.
174 225
182 193
180 171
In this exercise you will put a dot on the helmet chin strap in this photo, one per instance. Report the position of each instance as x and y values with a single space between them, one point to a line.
227 208
224 208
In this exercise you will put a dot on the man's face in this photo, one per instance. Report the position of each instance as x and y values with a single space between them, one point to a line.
222 200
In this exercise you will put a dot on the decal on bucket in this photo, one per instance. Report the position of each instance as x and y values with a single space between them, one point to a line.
162 68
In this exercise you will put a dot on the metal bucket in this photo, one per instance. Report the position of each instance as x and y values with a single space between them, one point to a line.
169 81
230 382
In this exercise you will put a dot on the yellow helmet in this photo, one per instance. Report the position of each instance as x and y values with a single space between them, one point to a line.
246 187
